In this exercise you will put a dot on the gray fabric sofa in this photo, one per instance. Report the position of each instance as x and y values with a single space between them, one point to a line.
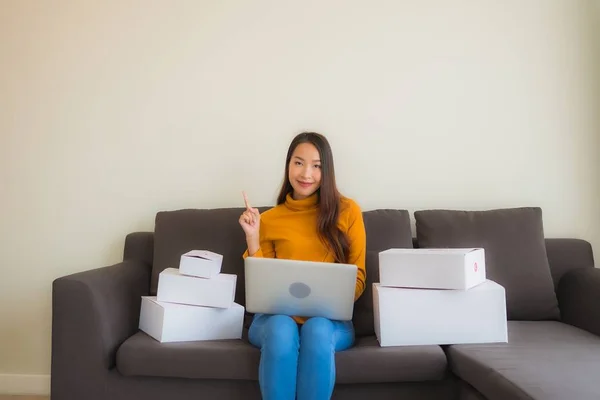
553 305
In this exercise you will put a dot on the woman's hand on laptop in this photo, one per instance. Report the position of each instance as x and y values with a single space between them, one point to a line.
250 221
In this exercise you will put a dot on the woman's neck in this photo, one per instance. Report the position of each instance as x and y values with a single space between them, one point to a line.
303 203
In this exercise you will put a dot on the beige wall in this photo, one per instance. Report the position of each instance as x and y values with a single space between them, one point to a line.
112 111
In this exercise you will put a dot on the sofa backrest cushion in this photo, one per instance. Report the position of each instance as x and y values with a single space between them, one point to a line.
515 253
218 230
385 229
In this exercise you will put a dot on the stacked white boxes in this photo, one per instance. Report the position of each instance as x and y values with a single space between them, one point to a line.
193 302
437 297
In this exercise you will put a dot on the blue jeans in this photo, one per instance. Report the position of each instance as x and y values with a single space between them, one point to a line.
298 360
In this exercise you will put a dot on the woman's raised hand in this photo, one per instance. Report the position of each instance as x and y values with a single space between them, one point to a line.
250 220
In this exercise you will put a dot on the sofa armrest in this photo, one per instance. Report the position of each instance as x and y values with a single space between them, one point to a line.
93 312
578 294
139 246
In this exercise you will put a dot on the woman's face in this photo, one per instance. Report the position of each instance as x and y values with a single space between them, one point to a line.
305 171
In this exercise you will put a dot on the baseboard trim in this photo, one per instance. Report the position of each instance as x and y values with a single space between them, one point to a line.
25 384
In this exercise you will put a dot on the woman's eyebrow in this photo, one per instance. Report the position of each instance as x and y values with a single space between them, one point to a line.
302 159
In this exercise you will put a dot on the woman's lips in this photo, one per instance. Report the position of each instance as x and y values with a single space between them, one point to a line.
305 184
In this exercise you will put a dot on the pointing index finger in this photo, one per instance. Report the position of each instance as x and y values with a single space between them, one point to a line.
246 200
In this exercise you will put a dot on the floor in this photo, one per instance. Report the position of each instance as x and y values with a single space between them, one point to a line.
10 397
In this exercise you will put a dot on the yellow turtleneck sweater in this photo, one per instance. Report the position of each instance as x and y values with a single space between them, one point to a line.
289 231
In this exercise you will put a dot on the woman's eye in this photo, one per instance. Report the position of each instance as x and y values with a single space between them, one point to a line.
317 166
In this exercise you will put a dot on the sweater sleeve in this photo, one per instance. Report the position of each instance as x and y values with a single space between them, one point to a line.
266 248
358 248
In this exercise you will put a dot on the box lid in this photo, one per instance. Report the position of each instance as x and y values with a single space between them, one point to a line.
429 251
203 254
218 277
167 305
162 304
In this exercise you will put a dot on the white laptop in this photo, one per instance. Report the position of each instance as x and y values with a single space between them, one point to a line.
300 288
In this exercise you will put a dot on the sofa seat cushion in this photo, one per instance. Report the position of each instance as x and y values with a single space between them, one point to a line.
366 362
542 360
141 355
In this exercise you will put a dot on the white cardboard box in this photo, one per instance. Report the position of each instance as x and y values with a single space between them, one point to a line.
405 317
170 322
432 268
200 263
218 291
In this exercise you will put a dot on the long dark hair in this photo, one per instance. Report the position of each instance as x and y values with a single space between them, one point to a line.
328 195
